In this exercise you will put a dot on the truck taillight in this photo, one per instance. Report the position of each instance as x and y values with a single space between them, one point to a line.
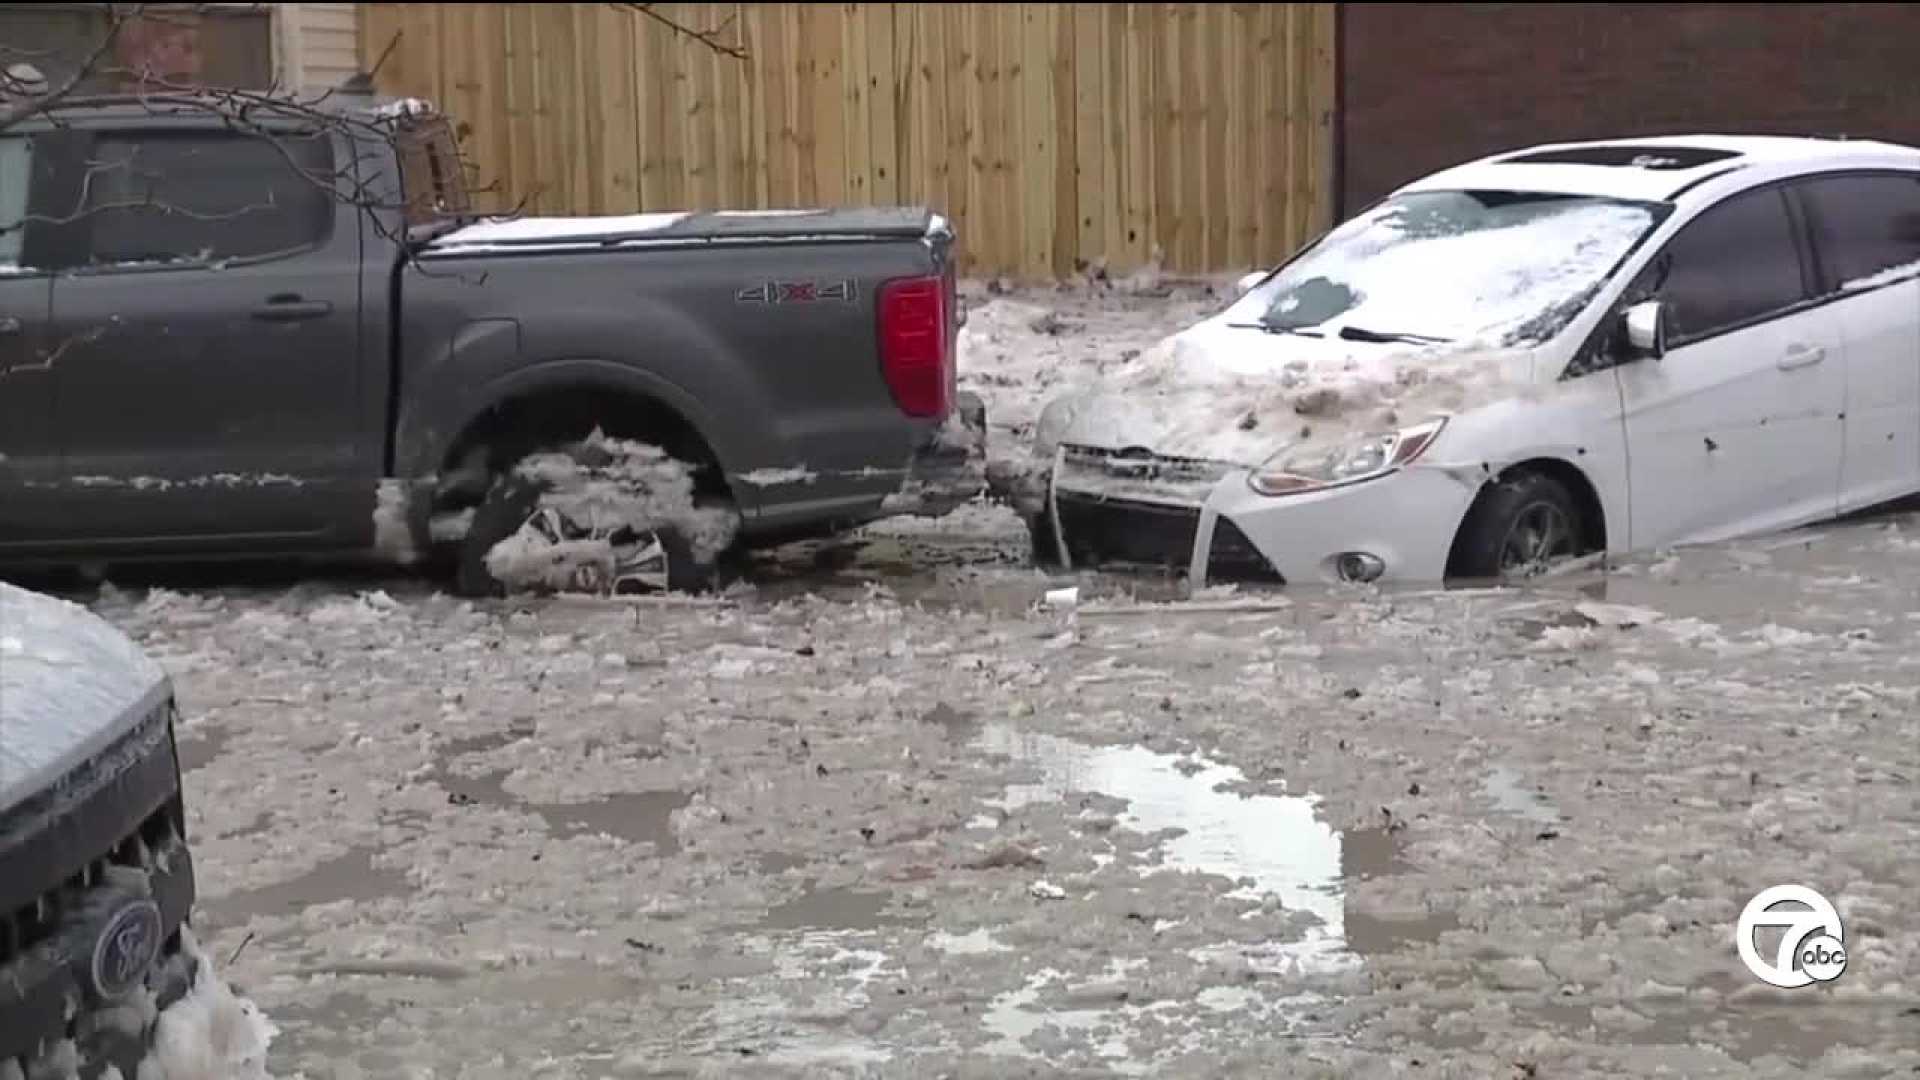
916 353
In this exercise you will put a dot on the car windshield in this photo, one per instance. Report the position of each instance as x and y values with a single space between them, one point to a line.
1505 267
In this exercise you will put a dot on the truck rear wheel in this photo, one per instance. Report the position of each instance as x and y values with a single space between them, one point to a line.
522 539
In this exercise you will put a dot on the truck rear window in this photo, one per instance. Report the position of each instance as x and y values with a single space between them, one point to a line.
435 184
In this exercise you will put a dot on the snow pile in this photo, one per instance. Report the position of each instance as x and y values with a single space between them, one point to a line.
211 1033
602 487
557 230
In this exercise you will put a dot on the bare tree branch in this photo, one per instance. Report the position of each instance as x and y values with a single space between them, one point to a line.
710 38
13 113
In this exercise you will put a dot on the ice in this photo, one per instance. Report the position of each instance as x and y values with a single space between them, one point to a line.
1885 277
211 1033
603 486
774 477
530 229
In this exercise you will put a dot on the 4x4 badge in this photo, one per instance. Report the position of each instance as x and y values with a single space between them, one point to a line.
797 292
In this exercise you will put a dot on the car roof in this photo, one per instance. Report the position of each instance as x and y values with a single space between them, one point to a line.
351 100
1661 168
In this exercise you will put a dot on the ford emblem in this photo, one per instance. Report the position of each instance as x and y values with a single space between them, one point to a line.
126 949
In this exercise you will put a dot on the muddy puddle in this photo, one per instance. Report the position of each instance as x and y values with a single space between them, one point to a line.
637 817
202 747
350 878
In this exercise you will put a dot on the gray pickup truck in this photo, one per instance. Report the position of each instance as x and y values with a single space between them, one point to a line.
96 881
280 333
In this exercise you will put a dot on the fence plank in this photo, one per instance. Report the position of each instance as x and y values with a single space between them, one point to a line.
1052 135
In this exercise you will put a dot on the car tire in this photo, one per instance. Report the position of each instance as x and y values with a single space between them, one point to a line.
1520 525
513 503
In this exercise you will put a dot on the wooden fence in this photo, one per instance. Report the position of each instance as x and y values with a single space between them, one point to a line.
1054 135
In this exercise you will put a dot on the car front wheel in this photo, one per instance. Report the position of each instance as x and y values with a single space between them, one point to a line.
1519 527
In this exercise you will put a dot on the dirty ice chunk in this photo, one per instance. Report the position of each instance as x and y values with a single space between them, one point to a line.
1618 616
1046 890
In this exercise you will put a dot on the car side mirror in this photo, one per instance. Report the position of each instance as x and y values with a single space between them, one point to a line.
1246 284
1646 326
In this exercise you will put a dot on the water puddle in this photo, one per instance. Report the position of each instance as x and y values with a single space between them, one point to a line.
1268 845
640 817
837 909
1509 793
199 749
349 877
1277 841
959 725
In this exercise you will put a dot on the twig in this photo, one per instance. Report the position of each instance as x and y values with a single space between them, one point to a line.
708 38
244 942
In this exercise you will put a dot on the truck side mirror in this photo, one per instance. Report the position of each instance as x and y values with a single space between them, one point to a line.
1646 330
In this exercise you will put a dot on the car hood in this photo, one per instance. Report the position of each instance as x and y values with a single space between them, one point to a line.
70 684
1236 395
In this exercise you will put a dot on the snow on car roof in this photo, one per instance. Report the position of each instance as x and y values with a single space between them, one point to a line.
1656 168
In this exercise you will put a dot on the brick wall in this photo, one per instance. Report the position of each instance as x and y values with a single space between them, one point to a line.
1428 85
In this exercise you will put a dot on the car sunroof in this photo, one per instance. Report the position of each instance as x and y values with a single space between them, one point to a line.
1663 158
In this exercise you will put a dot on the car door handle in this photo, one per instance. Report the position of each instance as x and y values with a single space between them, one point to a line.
1800 356
10 325
291 309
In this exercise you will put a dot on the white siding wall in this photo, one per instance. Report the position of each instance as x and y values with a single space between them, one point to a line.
319 45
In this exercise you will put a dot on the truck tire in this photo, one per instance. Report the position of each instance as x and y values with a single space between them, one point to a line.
660 560
1519 525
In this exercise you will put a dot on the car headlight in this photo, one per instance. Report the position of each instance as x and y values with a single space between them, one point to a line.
1303 469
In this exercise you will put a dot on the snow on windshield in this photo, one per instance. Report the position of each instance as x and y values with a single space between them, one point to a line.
1495 267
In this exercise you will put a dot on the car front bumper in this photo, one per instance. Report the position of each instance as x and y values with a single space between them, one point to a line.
1406 520
76 860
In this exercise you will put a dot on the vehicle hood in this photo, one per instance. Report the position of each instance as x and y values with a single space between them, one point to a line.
70 684
1235 396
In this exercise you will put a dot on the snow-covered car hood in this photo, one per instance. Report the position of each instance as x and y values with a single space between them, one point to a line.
1236 395
70 683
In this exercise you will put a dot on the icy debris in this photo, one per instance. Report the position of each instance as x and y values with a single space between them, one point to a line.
1046 890
1062 598
392 535
601 487
1617 616
359 611
1784 637
401 108
557 229
210 1034
776 477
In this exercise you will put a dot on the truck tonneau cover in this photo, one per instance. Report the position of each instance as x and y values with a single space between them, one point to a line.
674 229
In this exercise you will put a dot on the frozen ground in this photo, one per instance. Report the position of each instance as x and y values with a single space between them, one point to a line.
884 812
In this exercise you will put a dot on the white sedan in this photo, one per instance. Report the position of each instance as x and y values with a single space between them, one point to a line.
1579 348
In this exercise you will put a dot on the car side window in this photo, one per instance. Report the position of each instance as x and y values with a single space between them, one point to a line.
1734 264
158 198
16 176
1866 228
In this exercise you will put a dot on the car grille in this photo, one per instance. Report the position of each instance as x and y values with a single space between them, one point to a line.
134 781
1140 466
1151 534
155 842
